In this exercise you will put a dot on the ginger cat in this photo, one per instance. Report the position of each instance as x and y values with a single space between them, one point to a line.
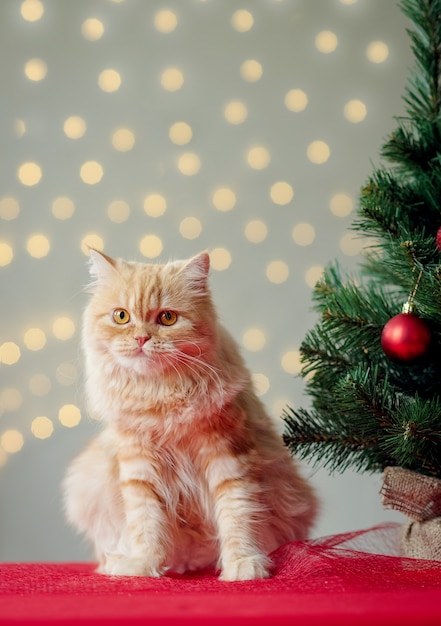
188 471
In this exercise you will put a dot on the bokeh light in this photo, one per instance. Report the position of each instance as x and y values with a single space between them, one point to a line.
220 259
281 193
235 112
151 246
12 441
38 246
165 21
155 205
251 70
42 427
256 231
29 174
224 199
34 339
35 70
32 10
277 271
109 80
377 52
92 29
69 415
9 208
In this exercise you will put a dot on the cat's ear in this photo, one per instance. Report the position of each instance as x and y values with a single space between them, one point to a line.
196 271
101 266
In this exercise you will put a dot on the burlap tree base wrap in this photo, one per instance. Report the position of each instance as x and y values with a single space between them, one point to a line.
419 498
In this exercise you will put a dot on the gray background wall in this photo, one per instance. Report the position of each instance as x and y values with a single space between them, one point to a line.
95 157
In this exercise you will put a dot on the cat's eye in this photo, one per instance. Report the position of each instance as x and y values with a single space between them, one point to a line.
121 316
167 318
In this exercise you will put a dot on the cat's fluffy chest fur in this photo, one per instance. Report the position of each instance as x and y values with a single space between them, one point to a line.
188 471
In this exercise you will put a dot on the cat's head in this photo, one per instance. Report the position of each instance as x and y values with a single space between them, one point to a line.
152 319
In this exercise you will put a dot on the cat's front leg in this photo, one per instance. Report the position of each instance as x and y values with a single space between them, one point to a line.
143 544
238 512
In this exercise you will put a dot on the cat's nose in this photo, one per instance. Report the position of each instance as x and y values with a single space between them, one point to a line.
142 340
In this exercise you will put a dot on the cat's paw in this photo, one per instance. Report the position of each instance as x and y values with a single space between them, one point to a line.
246 568
122 565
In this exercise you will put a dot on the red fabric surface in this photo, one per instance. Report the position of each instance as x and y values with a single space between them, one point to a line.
355 578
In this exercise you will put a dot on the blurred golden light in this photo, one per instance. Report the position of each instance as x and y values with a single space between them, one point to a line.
123 139
155 205
9 353
303 234
38 246
235 112
29 174
242 21
254 339
190 228
66 374
20 128
74 127
277 271
10 399
165 21
377 52
261 383
34 339
313 275
281 193
256 231
291 362
341 204
351 244
251 70
224 199
326 41
63 208
63 328
172 79
189 164
69 415
92 29
35 69
180 133
109 80
118 211
258 157
91 172
42 427
220 259
318 152
40 384
6 253
151 246
296 100
91 240
31 10
355 111
11 441
9 208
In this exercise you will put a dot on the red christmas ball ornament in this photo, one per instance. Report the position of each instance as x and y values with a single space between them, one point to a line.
405 337
438 240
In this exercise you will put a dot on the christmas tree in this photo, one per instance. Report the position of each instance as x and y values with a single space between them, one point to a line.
372 363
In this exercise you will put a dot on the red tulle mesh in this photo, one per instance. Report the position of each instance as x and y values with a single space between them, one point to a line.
338 577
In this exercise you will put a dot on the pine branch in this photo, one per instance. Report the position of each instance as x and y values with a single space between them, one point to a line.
367 410
325 445
423 95
414 438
